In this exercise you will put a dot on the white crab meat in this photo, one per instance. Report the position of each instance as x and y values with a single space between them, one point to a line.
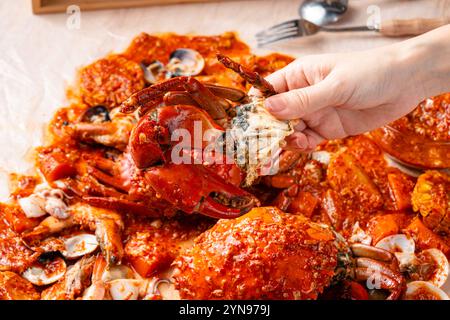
79 245
424 290
321 156
257 138
44 274
402 246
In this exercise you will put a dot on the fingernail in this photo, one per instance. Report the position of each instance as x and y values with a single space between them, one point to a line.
272 105
301 144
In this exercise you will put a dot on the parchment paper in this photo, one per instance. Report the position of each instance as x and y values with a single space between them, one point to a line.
39 55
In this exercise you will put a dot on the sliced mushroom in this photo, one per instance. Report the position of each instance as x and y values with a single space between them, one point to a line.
423 290
184 62
48 272
79 245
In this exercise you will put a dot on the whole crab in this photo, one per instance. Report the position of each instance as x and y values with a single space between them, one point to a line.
148 176
269 254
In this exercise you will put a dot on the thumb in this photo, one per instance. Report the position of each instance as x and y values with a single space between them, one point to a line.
298 103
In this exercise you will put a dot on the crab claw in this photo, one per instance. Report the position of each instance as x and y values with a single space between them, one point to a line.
163 127
248 75
192 188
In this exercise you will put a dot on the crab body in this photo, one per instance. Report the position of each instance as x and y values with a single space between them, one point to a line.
268 254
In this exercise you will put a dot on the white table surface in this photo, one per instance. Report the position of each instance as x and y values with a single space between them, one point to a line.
39 54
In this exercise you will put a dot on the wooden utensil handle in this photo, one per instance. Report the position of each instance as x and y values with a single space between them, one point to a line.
410 27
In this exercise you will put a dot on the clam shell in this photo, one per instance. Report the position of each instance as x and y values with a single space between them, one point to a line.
79 245
96 114
440 273
185 62
424 290
41 274
402 246
152 71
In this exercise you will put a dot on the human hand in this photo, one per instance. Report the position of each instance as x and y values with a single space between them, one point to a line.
338 95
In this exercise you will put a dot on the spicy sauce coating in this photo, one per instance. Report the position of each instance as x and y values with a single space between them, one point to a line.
266 254
110 81
431 119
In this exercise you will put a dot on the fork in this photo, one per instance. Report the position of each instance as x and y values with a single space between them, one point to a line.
391 28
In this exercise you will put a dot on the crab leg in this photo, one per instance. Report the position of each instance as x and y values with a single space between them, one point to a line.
362 250
47 227
213 105
173 98
370 259
251 77
179 97
151 95
107 179
378 266
89 184
105 164
385 282
123 205
231 94
87 130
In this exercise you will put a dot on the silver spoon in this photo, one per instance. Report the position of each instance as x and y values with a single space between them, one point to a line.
322 12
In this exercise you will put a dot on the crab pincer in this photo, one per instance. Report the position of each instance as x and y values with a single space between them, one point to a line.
254 78
181 90
193 188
